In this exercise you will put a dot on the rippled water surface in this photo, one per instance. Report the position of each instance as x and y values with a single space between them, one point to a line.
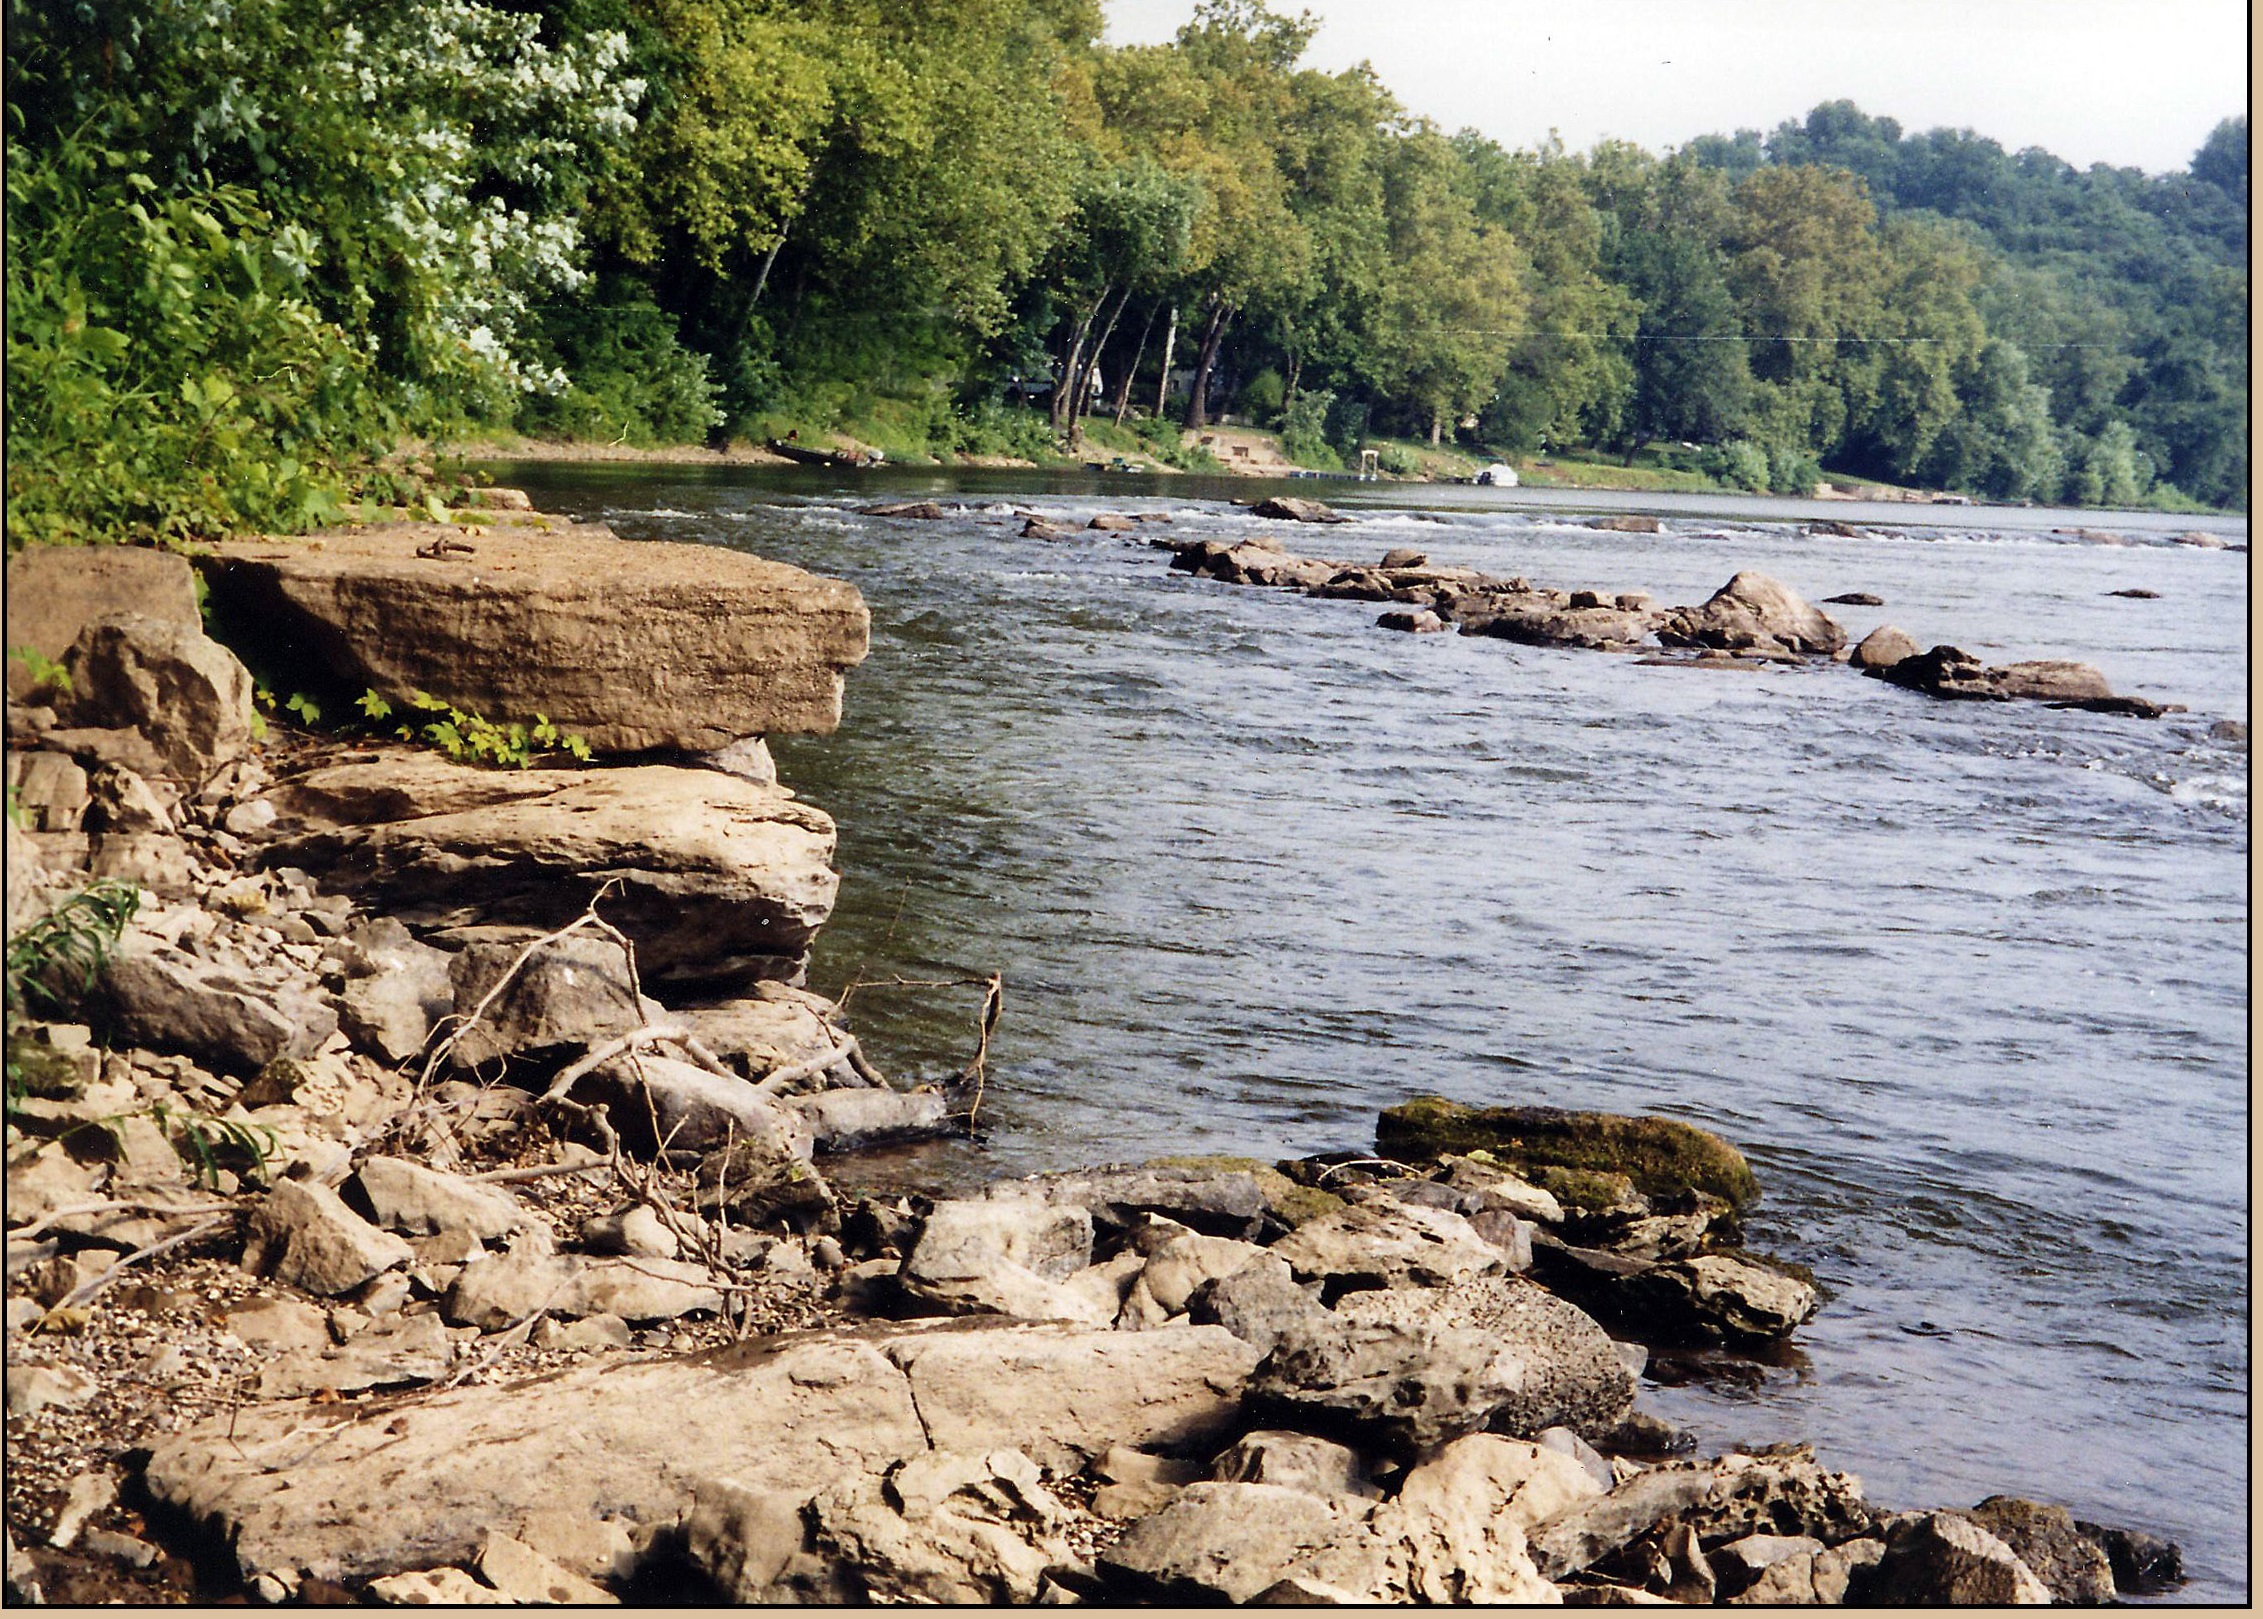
1968 982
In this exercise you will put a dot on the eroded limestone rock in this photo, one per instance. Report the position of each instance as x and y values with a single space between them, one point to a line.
718 881
633 645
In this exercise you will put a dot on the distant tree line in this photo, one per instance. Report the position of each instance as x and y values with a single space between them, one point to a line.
254 243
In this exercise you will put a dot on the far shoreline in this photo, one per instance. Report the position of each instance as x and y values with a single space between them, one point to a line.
1449 495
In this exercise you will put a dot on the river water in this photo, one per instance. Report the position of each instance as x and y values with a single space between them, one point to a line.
1968 982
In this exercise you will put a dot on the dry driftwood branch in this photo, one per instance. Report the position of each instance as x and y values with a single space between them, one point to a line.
505 1338
56 1216
87 1290
848 1053
588 919
993 1007
1364 1163
538 1172
605 1052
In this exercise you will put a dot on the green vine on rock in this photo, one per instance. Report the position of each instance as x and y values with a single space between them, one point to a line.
465 736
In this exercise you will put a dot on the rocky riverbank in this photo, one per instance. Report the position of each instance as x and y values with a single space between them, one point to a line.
444 1188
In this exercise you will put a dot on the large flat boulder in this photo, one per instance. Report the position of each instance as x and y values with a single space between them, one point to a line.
1952 672
1534 621
632 645
1558 1362
235 1019
1064 1395
720 880
1253 562
341 1493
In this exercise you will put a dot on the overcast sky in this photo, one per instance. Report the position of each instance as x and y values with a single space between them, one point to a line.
2135 83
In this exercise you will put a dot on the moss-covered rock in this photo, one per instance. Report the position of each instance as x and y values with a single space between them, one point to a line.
37 1069
1592 1191
1661 1156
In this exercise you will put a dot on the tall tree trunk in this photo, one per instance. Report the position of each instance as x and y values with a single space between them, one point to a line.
762 279
1072 366
1198 406
1123 389
1081 400
1296 363
1437 424
1170 342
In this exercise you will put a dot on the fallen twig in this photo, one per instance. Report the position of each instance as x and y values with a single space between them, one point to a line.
56 1216
605 1052
993 1007
87 1290
509 1337
537 1172
849 1052
588 918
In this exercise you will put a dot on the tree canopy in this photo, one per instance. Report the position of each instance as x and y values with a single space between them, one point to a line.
253 245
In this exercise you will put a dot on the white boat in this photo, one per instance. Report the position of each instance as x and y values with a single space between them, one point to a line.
1497 476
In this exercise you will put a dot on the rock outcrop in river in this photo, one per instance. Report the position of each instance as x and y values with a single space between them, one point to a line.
1752 618
438 1198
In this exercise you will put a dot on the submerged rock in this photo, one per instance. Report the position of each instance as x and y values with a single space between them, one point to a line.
1661 1156
1291 508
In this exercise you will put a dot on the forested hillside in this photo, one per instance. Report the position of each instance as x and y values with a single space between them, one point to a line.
255 244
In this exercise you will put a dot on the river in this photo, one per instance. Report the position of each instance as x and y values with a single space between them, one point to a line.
1968 982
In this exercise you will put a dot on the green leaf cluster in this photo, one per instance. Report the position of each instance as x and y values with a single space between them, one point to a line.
52 962
471 737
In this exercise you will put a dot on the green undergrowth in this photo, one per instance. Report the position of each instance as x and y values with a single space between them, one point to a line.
432 722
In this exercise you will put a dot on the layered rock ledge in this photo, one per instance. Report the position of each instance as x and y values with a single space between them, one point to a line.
633 645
